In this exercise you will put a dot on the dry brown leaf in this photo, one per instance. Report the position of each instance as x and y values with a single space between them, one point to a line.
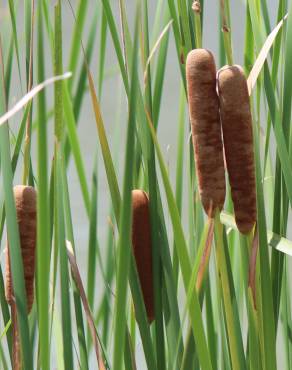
90 321
205 257
29 96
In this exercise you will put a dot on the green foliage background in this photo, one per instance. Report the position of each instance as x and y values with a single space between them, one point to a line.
98 318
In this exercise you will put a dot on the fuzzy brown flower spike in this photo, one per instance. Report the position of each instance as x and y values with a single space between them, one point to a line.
206 129
238 144
141 239
25 202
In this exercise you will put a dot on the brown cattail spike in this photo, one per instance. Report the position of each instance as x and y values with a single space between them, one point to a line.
25 202
238 144
206 128
141 238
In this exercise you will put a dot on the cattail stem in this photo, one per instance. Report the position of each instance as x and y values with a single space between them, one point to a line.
235 342
16 349
198 26
226 31
27 141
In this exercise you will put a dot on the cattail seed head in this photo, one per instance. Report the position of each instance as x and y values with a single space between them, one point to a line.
238 144
206 129
25 202
142 247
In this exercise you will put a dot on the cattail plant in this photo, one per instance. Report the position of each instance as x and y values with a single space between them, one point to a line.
141 240
206 130
25 202
238 144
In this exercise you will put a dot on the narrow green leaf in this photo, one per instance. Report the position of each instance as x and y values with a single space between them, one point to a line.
75 146
180 243
124 251
64 276
43 216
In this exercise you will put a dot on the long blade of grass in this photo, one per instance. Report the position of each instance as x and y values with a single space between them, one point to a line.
229 300
155 47
81 84
77 299
75 146
13 232
278 258
92 243
27 158
274 240
268 337
180 243
59 135
64 274
28 35
29 96
257 67
76 38
185 29
109 167
151 172
103 39
8 72
160 73
116 42
124 251
3 359
43 216
59 217
273 107
15 37
5 314
89 317
116 200
170 301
